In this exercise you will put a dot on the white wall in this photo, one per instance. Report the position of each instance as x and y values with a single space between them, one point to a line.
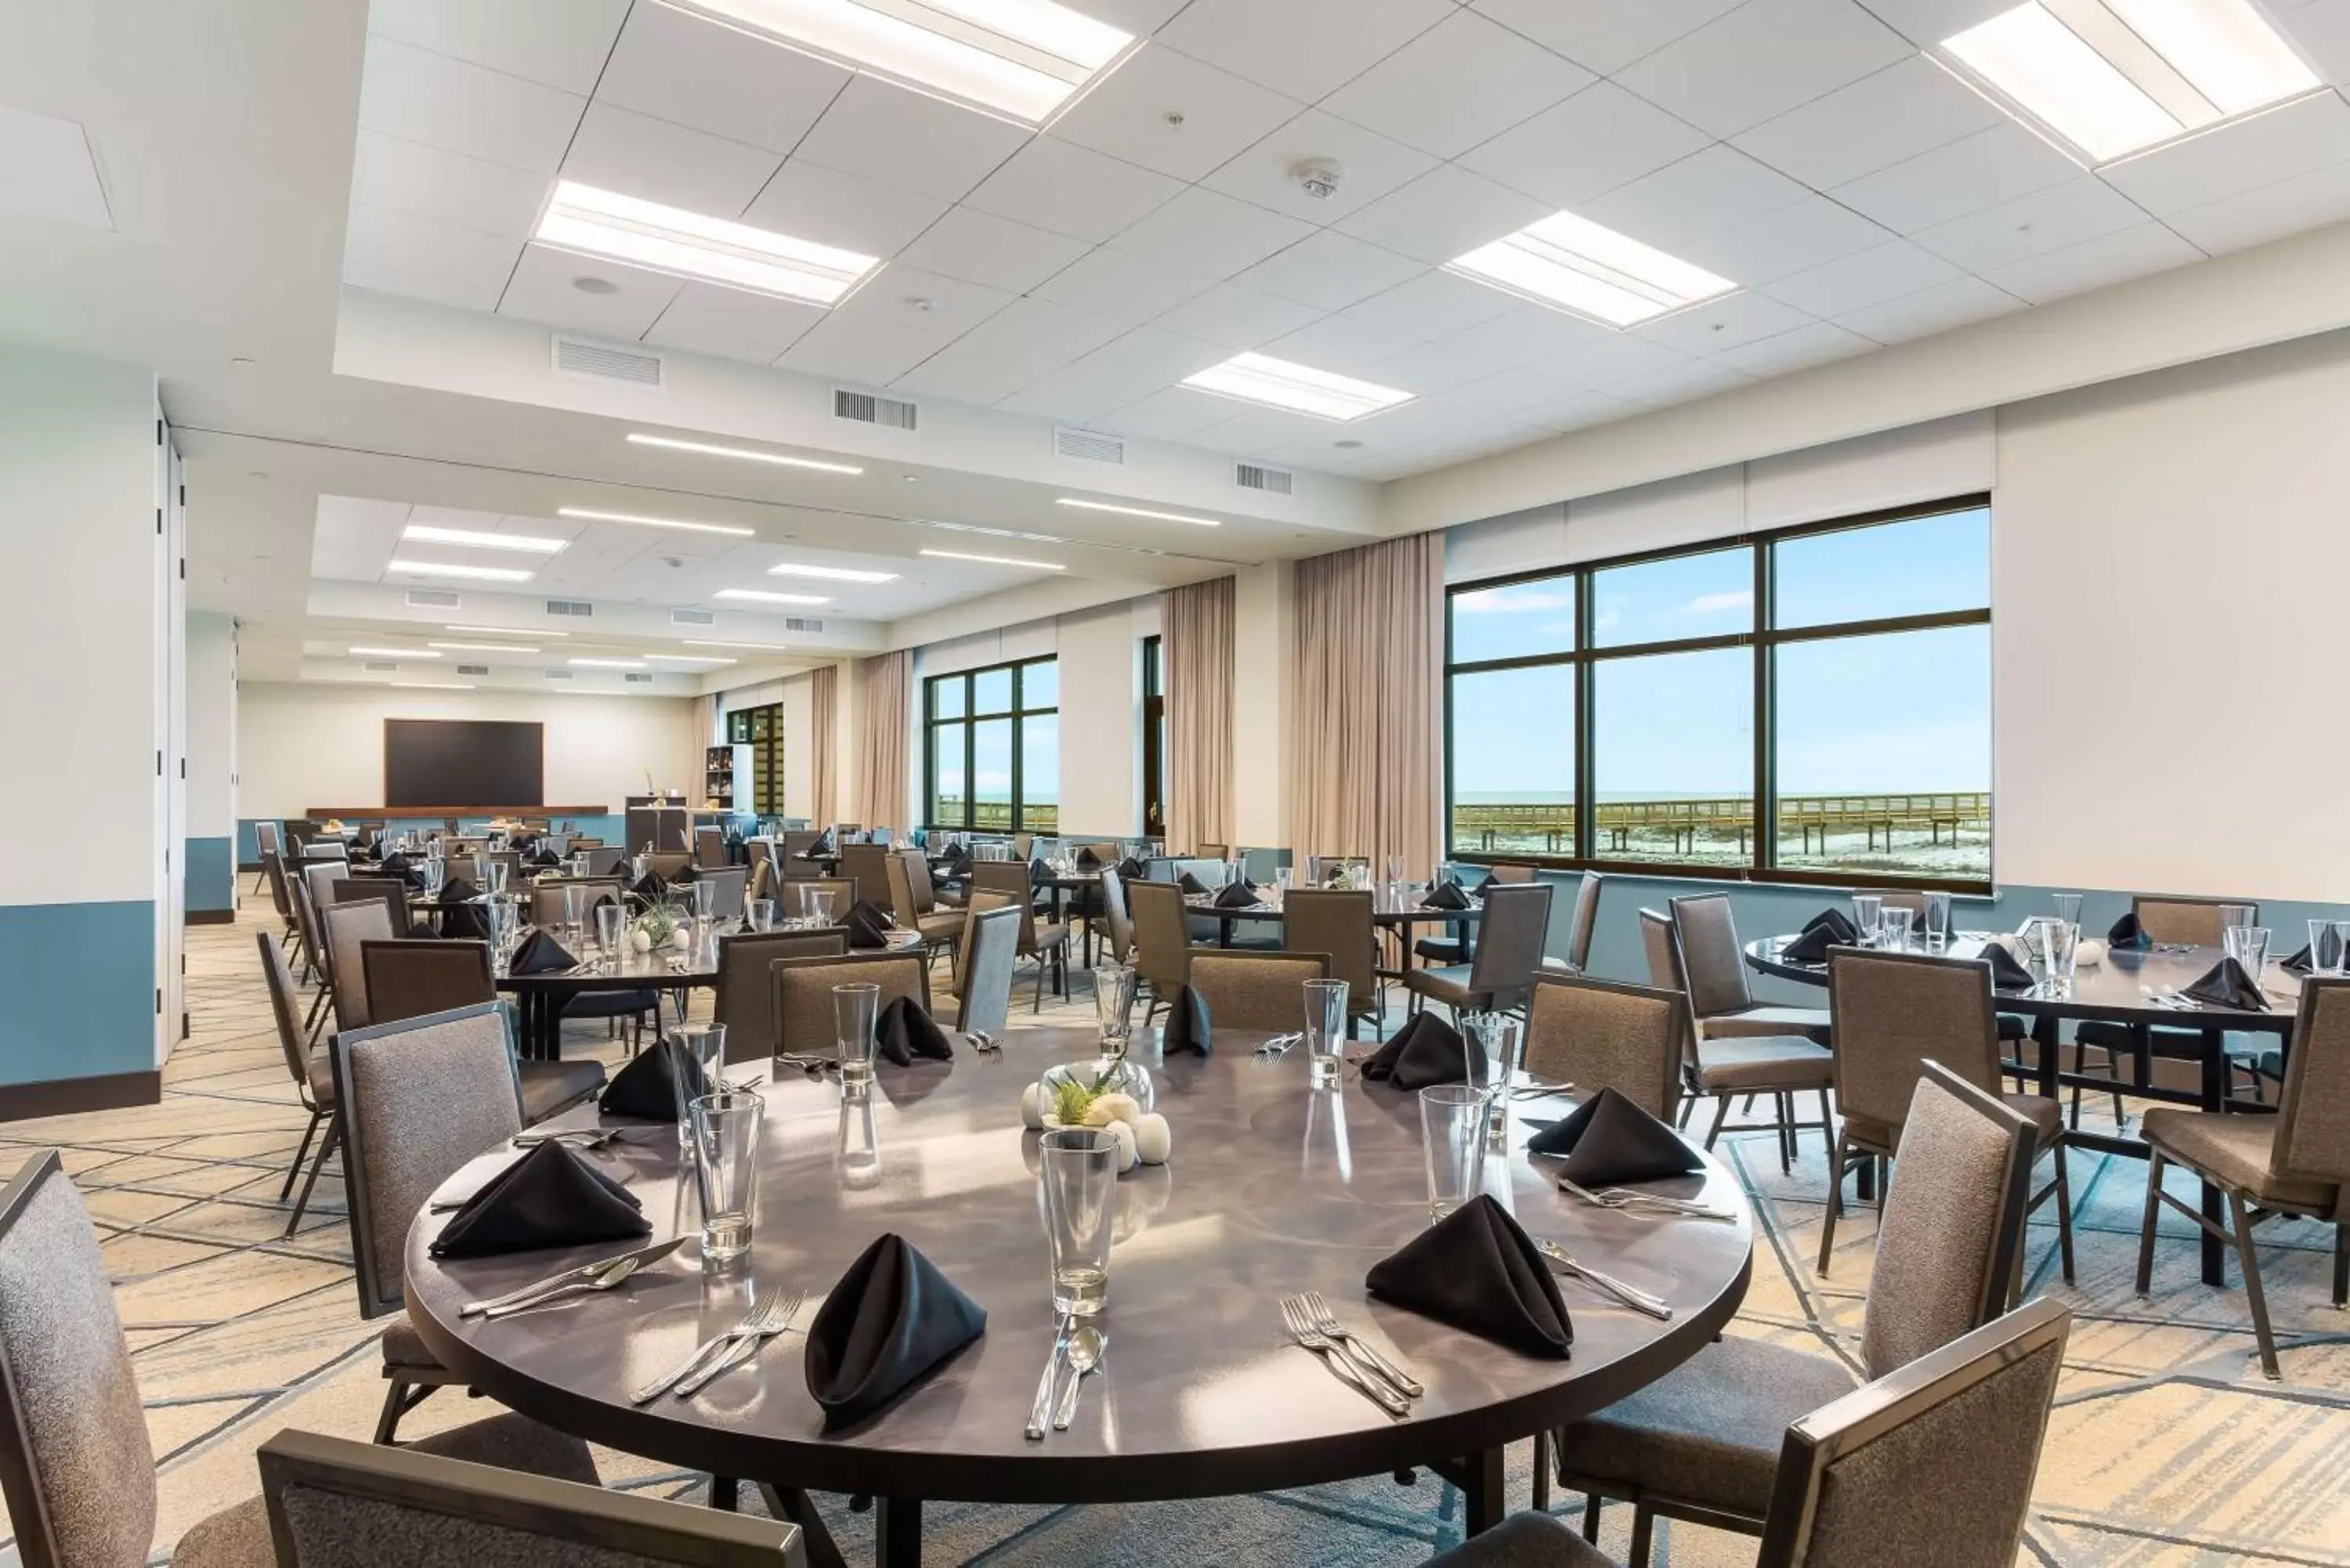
211 726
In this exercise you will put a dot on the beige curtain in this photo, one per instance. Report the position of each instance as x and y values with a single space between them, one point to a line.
1195 624
824 744
1366 730
886 682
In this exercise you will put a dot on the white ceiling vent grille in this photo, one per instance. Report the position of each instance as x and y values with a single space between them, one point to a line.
802 623
692 618
557 674
473 669
607 362
434 598
872 408
579 608
1257 477
1089 446
633 679
379 667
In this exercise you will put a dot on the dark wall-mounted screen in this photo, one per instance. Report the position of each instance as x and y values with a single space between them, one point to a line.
463 763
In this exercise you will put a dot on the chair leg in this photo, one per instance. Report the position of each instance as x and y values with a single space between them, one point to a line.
1721 1114
1836 1204
2342 1264
398 1400
2253 1296
1787 1108
1644 1526
1542 1472
1828 1123
1688 1103
2064 1211
325 1147
1591 1501
2145 1232
300 1155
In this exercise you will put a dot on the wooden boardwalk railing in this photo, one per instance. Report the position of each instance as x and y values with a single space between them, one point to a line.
1814 817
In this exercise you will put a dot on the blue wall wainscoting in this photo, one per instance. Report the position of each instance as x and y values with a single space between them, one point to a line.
212 880
81 983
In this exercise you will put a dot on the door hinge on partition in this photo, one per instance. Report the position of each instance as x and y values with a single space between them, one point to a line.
159 764
159 432
158 522
183 767
159 1001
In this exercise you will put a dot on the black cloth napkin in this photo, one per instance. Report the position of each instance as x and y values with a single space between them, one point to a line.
459 916
651 886
826 844
551 1197
904 1032
398 865
889 1320
1828 928
1445 895
1086 859
2124 933
1240 893
2301 962
540 954
2006 972
1608 1140
869 925
2225 984
458 889
647 1087
1477 1270
1131 870
545 858
1193 887
1187 1032
1425 1052
959 860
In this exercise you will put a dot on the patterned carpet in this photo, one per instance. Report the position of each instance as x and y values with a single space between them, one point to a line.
2167 1447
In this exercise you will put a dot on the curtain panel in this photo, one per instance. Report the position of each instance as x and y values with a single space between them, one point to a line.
1196 672
824 746
886 683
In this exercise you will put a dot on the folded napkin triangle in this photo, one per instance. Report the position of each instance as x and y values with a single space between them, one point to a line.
1187 1032
1240 893
1477 1270
541 954
890 1319
2006 972
647 1087
1829 927
1131 870
1608 1140
869 925
2126 932
1445 895
551 1197
1193 887
1426 1051
904 1032
2227 984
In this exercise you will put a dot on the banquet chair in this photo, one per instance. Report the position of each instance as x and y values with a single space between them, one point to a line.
1329 921
709 848
418 1099
602 861
1449 947
669 864
1582 923
546 900
391 891
983 993
334 1503
273 872
313 955
1894 1013
509 858
802 1004
797 867
1603 1034
1211 851
1725 1067
1509 953
728 885
1702 1442
981 903
1023 845
408 977
1255 991
867 866
1116 916
321 877
2295 1162
327 849
2166 920
76 1468
1716 970
1048 944
346 925
266 841
745 999
843 891
913 902
314 1082
1162 941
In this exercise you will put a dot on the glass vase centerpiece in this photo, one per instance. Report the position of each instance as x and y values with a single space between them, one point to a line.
1077 1084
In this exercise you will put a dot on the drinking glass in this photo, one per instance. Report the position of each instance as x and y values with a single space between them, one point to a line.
2068 907
1396 872
1326 1033
1079 1176
2051 945
579 866
1499 1036
577 899
493 876
705 899
1452 1118
725 1147
2329 947
854 1010
1283 877
761 914
1892 925
639 865
1114 987
2249 946
611 929
1866 908
706 1043
1938 921
435 872
818 903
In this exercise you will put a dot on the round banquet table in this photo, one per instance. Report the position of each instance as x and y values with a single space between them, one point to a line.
2114 991
1272 1188
1388 913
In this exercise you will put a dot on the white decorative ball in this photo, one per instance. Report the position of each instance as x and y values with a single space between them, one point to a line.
681 938
1153 1139
2090 952
1130 1153
1113 1107
1032 1107
640 941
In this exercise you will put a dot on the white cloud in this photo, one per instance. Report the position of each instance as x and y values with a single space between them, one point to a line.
1511 601
1715 604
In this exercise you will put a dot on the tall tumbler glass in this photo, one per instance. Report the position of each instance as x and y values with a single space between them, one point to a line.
1866 909
1114 988
579 898
493 876
2068 907
1079 1176
1893 929
819 903
2329 947
1500 1036
1938 921
2052 945
1452 1118
725 1149
760 914
2233 915
611 931
855 1009
581 866
705 899
2249 946
1326 1033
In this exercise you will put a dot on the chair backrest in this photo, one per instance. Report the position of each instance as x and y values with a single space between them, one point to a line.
867 866
1162 936
509 858
547 905
745 999
391 891
320 878
1508 873
418 1099
1023 844
267 839
349 924
901 888
1206 873
843 891
272 866
1330 921
76 1468
728 885
2313 1132
327 849
411 977
1890 1013
1113 911
603 861
285 1007
1009 877
1903 899
1585 922
979 903
1211 851
2195 920
802 994
667 864
1510 942
709 848
1600 1034
1664 955
990 946
1931 1467
760 848
306 926
1713 969
1946 1246
797 867
1256 990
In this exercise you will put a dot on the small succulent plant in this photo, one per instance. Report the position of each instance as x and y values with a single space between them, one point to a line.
659 923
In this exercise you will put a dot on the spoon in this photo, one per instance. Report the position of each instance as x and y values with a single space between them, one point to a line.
1086 1347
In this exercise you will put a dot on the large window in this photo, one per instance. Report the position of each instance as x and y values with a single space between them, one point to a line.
993 748
1813 705
1154 739
761 728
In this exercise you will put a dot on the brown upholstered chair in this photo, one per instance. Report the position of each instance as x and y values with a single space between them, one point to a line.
1116 916
1716 970
1163 939
1047 943
913 900
1600 1034
1252 991
867 866
314 1082
1328 921
2166 920
803 994
393 890
346 925
745 999
709 848
408 977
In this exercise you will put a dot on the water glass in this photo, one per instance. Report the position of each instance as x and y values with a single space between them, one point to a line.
1893 929
1396 872
579 898
436 873
2052 945
2329 947
1866 908
493 876
1079 1175
2238 915
1452 1119
611 928
1283 877
2068 907
580 865
2249 946
819 903
705 899
761 914
724 1132
1498 1036
1938 921
855 1009
1326 1033
1114 988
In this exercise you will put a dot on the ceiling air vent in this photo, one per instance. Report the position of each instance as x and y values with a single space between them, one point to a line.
557 674
473 669
434 598
692 618
605 362
580 608
633 679
1257 477
802 623
1088 447
872 408
379 667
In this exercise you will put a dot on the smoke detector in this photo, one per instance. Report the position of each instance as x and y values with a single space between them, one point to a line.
1319 177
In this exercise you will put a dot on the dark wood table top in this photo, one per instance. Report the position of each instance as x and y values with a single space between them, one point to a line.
1272 1188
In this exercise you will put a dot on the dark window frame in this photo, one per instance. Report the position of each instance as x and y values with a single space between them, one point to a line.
765 790
1584 660
1154 723
970 719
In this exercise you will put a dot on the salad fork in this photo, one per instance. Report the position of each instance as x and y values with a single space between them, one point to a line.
775 1320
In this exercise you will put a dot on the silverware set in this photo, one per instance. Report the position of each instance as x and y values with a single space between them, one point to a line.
1350 1357
1080 1350
1625 1198
1280 1045
588 1279
1606 1284
814 1067
982 1041
713 1357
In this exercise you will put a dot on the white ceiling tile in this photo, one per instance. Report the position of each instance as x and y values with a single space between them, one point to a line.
1439 367
2256 217
1256 432
1305 48
399 253
1601 138
1463 81
1679 383
1446 213
1930 310
692 71
636 155
1207 231
1762 59
1852 283
419 96
1605 36
1165 111
926 301
1911 107
448 187
1964 176
1805 235
541 290
879 131
1335 343
729 322
1371 164
1065 188
2111 258
1568 349
47 171
1139 18
983 248
1576 411
1926 23
1237 317
1814 343
1722 324
560 43
1016 347
1123 287
1177 413
2322 28
2032 225
1142 362
810 202
1330 271
873 350
1702 194
2241 155
1433 305
1504 394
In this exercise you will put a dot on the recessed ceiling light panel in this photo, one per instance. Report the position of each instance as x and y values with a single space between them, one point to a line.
393 653
586 515
483 647
504 631
996 560
830 574
451 569
761 647
424 533
587 220
763 596
1574 264
711 449
1121 511
1280 384
608 663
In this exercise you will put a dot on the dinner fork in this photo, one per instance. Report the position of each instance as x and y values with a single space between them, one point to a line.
702 1352
1638 1300
774 1321
1623 1198
1318 1308
1321 1345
